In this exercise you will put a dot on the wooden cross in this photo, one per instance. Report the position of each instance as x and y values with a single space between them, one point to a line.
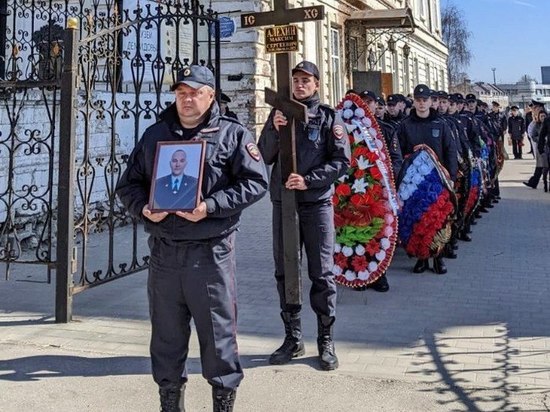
294 111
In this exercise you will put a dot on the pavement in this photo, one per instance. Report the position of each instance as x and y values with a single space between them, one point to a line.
477 338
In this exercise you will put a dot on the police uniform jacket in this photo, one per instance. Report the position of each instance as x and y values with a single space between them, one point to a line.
389 132
234 176
516 127
473 131
322 152
432 131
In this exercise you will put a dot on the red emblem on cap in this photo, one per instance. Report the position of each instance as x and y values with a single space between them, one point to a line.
338 131
253 151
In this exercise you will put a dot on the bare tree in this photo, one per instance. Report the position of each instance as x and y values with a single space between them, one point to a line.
455 36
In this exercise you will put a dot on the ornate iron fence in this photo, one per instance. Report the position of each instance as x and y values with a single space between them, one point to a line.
127 54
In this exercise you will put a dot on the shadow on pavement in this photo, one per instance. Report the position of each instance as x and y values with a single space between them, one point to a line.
34 368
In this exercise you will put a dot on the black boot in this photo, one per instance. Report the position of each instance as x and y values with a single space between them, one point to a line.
454 242
381 284
439 266
421 266
325 345
545 183
450 252
293 344
172 399
223 399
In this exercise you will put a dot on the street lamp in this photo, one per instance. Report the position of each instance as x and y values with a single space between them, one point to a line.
406 50
391 44
494 69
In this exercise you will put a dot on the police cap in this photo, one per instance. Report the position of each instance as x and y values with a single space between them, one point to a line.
514 107
495 103
195 76
460 97
380 100
453 98
537 103
308 68
442 94
422 91
393 99
433 93
471 98
368 94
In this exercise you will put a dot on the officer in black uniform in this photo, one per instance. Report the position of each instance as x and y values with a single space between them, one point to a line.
192 264
393 107
224 108
424 126
322 156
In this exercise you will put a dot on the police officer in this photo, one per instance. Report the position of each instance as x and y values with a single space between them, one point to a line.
516 130
192 264
322 156
224 108
424 126
393 107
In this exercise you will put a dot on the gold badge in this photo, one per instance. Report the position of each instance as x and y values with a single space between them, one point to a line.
187 72
253 151
338 131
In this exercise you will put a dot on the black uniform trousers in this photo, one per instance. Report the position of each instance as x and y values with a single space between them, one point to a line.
516 148
317 238
193 279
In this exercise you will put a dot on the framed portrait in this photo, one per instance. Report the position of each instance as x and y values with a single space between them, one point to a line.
177 176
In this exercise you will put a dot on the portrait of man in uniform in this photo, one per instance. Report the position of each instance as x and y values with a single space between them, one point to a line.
178 172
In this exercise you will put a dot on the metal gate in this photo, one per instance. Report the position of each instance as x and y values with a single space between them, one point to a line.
102 83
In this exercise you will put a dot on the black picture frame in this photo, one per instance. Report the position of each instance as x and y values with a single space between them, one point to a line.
177 176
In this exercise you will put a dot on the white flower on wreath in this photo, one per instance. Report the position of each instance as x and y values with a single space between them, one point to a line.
350 275
358 136
337 270
348 104
363 275
337 248
360 250
360 186
363 163
347 251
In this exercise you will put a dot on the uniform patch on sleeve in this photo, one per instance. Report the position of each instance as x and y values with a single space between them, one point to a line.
338 131
253 151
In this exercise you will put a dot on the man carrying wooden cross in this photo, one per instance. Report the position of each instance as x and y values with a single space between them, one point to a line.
322 156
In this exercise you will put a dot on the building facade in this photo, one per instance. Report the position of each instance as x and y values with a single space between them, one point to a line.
521 93
398 39
484 91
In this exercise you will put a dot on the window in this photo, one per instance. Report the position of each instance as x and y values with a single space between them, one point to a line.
406 74
335 59
421 9
416 72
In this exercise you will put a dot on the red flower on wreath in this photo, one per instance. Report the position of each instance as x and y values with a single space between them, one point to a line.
357 200
375 173
359 263
361 151
341 260
373 247
359 174
343 190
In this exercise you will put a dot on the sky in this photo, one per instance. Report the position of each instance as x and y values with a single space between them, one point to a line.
512 36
